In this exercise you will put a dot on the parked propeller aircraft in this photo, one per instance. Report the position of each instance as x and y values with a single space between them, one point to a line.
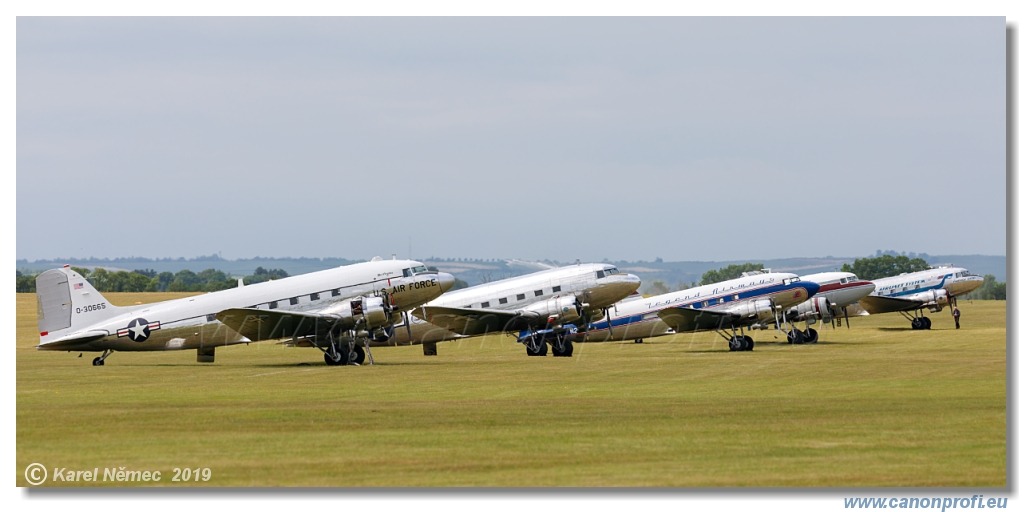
911 293
838 290
331 309
542 308
755 300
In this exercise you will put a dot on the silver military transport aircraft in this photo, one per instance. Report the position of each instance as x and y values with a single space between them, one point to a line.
541 308
332 309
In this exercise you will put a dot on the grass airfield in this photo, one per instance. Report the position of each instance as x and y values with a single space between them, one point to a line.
877 405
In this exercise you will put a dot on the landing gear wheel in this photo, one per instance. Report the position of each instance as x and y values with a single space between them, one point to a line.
97 362
917 324
565 350
748 343
332 358
638 340
356 355
536 348
926 323
811 336
737 343
795 337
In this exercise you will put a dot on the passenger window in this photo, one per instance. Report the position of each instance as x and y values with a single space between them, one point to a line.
502 301
335 292
314 296
293 301
556 289
485 304
272 305
521 296
537 293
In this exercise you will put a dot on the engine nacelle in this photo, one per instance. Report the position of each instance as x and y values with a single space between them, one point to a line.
761 309
365 312
814 309
938 299
558 309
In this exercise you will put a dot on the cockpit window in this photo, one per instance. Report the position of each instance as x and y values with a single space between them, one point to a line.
791 280
611 271
409 272
600 274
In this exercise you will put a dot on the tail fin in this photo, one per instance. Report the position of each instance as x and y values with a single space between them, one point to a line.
68 304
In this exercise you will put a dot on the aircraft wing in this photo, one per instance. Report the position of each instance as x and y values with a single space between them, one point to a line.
472 322
874 304
263 324
688 319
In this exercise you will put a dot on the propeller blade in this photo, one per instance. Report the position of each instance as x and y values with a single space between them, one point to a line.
408 326
846 314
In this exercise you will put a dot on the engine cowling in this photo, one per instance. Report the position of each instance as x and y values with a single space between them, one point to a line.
558 310
365 312
761 309
813 309
938 299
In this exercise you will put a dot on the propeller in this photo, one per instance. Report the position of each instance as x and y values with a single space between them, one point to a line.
408 325
846 315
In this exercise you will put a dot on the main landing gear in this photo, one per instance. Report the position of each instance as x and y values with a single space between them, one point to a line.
536 345
738 342
918 321
340 353
798 337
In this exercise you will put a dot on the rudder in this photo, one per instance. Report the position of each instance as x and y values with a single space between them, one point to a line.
66 301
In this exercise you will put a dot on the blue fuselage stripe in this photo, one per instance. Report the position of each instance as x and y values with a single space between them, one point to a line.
712 300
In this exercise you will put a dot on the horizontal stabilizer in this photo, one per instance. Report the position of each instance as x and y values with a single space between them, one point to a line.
874 304
73 341
688 319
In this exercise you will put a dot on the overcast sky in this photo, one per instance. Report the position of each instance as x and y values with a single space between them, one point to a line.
533 138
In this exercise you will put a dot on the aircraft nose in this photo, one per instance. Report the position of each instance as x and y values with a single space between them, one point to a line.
627 284
811 287
446 280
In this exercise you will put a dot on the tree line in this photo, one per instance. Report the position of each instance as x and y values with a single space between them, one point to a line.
208 280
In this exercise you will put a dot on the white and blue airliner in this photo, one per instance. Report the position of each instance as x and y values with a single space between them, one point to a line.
755 300
911 293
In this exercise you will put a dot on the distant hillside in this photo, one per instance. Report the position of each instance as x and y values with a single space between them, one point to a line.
674 274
